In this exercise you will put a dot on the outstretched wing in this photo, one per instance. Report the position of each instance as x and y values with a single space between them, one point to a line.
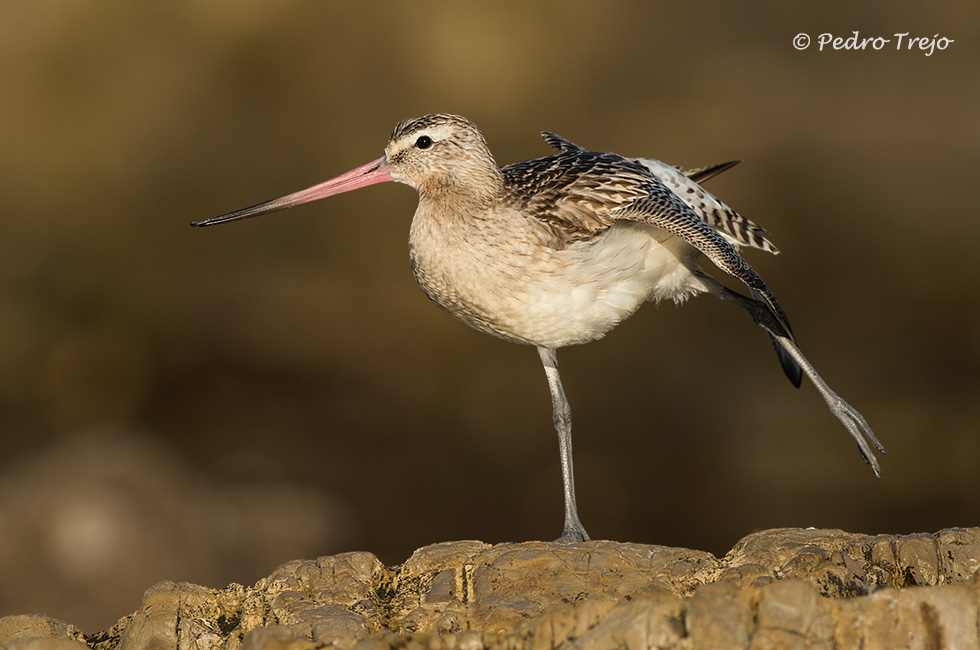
578 194
685 184
734 227
664 209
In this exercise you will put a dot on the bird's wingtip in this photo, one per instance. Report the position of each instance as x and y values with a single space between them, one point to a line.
702 174
559 143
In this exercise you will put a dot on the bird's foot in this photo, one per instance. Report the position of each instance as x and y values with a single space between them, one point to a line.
858 427
574 532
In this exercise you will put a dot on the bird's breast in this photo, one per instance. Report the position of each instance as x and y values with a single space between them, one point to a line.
500 276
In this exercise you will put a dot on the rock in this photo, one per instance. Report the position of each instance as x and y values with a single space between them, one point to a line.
37 626
41 643
786 588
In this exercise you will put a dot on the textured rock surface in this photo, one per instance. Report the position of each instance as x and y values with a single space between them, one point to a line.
785 588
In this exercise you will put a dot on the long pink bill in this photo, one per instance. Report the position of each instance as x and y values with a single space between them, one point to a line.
376 171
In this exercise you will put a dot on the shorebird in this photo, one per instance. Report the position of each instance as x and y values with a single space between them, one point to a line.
558 250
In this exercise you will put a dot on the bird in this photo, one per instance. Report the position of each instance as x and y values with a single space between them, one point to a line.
558 250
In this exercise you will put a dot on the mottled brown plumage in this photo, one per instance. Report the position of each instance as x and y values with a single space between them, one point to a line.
736 228
558 250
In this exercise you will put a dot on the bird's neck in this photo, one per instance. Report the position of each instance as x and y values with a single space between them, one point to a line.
467 187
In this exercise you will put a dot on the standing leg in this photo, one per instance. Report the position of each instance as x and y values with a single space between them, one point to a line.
574 531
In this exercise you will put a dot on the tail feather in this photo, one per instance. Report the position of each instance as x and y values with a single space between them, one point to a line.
790 367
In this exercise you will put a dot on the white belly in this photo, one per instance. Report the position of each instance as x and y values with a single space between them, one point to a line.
526 292
605 281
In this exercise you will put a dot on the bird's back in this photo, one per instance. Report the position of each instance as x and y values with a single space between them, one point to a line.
576 192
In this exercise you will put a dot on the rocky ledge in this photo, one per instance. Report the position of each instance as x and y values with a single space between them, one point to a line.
785 588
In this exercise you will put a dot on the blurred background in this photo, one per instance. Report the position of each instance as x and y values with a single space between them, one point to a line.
203 405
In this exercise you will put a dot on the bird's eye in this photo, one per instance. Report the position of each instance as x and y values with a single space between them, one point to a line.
424 142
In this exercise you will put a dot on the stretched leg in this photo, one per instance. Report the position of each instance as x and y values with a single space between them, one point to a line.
574 531
852 420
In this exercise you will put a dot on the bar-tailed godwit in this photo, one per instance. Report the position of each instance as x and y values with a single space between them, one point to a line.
559 250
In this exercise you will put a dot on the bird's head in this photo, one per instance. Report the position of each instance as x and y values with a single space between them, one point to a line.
441 153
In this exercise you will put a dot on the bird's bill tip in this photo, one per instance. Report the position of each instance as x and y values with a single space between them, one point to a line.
376 171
